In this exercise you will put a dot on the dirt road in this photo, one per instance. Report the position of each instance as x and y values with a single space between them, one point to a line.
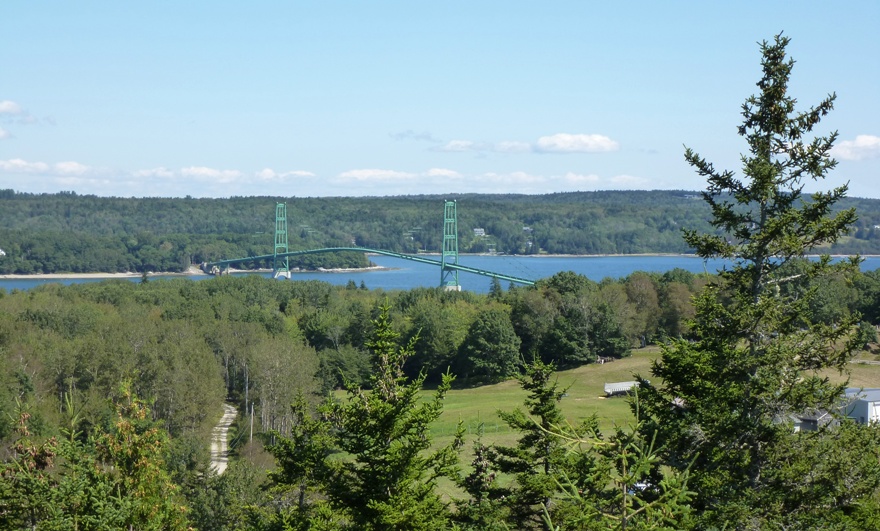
219 436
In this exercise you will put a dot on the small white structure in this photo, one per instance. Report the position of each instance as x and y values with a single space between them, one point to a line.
863 405
2 252
480 232
619 388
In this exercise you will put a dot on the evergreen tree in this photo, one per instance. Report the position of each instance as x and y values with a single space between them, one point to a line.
114 479
618 483
753 358
387 479
496 292
483 510
539 455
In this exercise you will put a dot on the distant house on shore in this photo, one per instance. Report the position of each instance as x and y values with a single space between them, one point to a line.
2 252
813 420
862 405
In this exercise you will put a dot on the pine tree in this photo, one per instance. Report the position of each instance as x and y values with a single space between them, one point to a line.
755 356
373 459
539 455
113 479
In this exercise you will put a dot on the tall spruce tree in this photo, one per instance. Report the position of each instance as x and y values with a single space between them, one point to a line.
388 476
540 454
754 358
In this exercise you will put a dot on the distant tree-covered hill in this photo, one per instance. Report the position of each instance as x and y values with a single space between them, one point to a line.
66 232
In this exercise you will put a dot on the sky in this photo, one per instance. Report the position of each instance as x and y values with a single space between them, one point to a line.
351 98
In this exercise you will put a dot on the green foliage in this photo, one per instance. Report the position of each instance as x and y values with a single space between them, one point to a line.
569 320
618 482
115 479
756 347
490 350
539 456
865 335
388 479
46 233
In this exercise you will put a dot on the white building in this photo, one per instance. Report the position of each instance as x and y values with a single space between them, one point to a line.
863 405
2 252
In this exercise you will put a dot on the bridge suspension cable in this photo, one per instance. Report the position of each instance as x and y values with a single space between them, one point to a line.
448 263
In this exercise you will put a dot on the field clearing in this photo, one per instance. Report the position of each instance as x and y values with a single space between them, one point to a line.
585 397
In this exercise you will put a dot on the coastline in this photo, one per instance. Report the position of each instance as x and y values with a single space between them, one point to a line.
195 271
192 271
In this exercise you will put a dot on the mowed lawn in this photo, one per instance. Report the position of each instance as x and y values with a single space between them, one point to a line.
585 396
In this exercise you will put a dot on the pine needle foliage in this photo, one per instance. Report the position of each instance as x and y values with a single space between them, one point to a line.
754 358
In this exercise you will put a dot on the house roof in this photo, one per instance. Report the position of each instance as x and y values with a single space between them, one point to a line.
856 393
813 414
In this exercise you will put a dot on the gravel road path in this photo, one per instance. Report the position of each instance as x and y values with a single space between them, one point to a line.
219 450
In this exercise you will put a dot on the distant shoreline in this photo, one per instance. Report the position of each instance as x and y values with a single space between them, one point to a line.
192 271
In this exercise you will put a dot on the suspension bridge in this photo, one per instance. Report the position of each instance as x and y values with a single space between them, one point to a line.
448 262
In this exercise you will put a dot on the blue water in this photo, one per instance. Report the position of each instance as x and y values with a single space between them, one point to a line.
404 274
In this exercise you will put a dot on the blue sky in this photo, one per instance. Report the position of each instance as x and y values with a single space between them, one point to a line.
330 98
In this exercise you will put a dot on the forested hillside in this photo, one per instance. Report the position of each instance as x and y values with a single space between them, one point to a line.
185 347
66 232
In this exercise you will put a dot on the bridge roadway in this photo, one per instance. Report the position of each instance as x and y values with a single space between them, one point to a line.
207 267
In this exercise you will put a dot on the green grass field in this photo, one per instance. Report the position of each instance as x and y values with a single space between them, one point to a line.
585 397
480 405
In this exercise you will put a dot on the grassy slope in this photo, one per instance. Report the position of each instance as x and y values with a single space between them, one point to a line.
585 397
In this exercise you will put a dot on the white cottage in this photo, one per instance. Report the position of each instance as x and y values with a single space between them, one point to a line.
863 405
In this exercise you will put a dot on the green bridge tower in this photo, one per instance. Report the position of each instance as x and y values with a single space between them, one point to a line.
449 253
281 266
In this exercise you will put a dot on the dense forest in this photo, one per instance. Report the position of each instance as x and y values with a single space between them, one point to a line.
51 233
108 391
185 347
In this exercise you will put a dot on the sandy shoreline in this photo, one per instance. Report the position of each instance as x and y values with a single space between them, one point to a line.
192 271
196 271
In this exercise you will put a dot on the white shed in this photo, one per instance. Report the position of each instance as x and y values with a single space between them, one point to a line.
863 405
619 388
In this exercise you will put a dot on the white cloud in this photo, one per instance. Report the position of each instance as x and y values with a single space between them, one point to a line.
268 174
160 172
10 107
512 147
863 147
409 134
374 175
71 168
558 143
442 172
12 112
23 166
4 134
203 173
459 146
568 143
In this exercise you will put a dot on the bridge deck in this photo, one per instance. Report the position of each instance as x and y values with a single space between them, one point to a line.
208 266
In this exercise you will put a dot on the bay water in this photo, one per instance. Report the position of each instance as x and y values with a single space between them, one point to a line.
399 274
